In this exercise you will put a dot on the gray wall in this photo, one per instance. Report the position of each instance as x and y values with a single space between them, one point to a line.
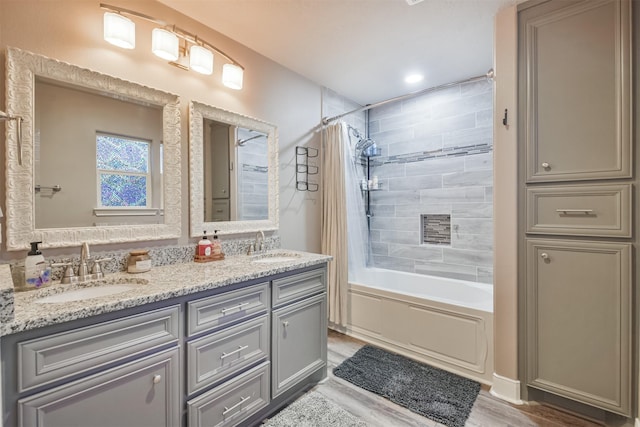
436 158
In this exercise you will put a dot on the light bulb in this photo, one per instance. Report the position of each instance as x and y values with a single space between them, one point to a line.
165 44
119 30
232 76
201 60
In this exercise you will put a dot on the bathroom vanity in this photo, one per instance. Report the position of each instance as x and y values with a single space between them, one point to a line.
189 345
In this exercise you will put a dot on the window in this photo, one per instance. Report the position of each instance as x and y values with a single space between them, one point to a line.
124 178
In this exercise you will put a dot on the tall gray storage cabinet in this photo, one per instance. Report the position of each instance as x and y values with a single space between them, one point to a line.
576 174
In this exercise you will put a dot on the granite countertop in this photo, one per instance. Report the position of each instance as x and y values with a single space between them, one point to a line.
161 283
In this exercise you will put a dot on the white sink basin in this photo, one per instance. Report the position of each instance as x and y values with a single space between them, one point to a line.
276 257
85 293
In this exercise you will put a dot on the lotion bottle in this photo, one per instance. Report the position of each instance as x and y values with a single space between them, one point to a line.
36 272
216 247
205 248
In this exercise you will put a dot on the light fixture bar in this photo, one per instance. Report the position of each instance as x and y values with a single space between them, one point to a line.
192 38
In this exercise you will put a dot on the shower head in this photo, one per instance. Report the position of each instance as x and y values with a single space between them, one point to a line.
363 145
241 142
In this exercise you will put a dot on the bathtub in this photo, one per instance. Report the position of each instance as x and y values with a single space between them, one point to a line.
446 323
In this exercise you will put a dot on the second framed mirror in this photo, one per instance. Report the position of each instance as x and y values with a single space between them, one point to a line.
233 164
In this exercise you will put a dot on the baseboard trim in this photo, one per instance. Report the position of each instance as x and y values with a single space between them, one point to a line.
507 389
637 422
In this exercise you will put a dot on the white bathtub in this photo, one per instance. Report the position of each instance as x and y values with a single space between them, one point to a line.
446 323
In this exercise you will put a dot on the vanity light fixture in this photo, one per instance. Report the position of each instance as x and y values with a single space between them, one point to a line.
119 30
165 43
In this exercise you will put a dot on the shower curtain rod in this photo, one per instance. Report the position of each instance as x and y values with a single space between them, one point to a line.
488 76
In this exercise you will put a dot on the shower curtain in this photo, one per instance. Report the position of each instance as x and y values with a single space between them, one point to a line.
344 226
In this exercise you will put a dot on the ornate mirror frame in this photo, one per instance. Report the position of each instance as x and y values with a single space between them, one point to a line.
22 69
197 113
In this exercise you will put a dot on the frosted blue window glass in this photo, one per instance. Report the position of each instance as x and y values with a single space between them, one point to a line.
122 154
123 190
123 171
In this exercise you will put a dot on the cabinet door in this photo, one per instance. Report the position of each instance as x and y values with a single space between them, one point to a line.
142 393
299 342
578 321
575 89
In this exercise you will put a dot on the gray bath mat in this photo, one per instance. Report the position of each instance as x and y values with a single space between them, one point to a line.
313 410
436 394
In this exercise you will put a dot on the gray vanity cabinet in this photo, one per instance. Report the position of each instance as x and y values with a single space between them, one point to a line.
142 393
217 358
299 345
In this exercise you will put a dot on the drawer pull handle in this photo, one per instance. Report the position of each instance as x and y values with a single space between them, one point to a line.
545 165
157 379
575 211
239 349
544 255
242 400
235 307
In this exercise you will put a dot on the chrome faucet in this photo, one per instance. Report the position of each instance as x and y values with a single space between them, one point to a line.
259 238
85 256
83 270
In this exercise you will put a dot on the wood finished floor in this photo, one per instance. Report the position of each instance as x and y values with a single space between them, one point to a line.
488 411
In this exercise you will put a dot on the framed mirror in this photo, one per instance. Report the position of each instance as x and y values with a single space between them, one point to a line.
233 170
97 161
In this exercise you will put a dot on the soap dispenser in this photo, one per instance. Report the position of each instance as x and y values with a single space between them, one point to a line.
36 271
216 247
204 246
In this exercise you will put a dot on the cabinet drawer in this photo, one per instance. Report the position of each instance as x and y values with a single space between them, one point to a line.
292 288
588 210
54 357
233 401
579 305
145 392
220 210
217 310
211 358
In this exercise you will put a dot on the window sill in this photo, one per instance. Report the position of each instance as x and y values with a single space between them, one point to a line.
127 212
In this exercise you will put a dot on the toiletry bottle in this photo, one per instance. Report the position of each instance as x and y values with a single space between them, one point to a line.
216 247
36 272
374 182
204 246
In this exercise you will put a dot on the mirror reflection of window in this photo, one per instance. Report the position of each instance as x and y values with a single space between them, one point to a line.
124 175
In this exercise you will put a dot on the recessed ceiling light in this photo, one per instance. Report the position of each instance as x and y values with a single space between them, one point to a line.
412 2
414 78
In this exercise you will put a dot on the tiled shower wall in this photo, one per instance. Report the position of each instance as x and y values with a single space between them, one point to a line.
436 158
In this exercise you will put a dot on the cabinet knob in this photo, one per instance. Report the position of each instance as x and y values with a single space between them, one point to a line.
546 165
157 379
285 323
544 255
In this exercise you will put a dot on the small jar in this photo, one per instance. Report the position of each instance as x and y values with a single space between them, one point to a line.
139 261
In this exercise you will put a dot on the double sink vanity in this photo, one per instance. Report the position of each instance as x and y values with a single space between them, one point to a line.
188 344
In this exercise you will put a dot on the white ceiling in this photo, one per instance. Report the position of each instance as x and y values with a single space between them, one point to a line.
361 49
